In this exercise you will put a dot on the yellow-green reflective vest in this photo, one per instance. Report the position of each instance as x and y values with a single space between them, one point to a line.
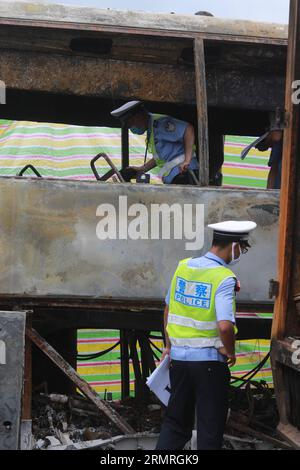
192 319
151 143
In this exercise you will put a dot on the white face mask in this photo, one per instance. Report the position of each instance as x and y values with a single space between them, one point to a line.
233 260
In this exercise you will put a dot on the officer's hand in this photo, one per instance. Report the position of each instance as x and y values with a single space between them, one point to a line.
166 351
184 167
231 360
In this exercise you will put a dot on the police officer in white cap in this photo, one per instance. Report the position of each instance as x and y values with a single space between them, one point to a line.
170 141
200 339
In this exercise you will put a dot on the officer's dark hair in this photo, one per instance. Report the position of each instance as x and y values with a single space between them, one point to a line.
217 242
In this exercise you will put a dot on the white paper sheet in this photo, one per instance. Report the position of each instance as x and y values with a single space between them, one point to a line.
159 381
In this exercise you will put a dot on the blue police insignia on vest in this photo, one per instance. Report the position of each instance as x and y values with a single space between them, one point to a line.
193 294
170 126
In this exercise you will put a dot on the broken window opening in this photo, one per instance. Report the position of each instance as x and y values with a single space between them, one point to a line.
251 173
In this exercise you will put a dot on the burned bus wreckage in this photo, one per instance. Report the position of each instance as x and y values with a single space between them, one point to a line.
74 65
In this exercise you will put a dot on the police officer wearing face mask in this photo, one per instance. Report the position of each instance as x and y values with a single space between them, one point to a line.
169 140
200 339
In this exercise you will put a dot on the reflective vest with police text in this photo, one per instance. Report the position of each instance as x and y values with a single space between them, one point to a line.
192 319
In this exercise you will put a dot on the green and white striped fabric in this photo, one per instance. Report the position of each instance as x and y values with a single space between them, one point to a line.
62 151
250 173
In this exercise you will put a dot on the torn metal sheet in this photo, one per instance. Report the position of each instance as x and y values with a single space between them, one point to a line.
50 244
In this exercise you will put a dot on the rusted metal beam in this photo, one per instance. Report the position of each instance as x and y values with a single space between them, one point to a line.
283 352
85 19
137 31
26 418
27 387
96 77
12 349
229 87
125 369
146 49
287 200
118 304
47 349
290 433
52 320
139 384
98 44
125 147
201 98
286 323
146 351
116 79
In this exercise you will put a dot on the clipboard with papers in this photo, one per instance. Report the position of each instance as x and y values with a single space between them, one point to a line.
159 381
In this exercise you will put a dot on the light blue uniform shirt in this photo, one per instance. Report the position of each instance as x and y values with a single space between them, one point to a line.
224 298
169 143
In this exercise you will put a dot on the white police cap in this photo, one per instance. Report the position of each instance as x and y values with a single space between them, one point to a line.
233 230
126 110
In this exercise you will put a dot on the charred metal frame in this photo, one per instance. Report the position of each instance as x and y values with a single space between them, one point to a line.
12 337
197 78
227 56
286 323
51 315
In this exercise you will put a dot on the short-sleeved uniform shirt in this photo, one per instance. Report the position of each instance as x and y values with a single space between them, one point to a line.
169 143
